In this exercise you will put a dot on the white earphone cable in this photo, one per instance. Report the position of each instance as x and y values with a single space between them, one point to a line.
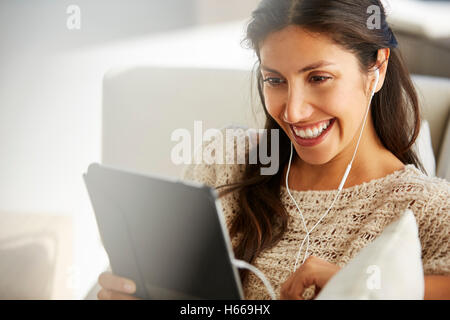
344 178
245 265
256 271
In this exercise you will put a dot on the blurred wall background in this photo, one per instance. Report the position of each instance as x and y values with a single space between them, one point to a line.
50 128
50 123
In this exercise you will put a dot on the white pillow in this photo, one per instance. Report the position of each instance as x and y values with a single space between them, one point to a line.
388 268
424 149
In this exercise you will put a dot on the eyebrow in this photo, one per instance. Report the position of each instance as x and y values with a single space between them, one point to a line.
312 66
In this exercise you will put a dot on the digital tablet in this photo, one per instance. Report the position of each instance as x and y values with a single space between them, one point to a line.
169 236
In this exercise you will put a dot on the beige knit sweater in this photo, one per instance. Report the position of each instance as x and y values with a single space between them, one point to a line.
356 219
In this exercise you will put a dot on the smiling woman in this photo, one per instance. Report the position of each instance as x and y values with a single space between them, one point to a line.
320 71
316 71
332 92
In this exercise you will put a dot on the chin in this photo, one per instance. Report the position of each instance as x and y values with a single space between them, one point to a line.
315 159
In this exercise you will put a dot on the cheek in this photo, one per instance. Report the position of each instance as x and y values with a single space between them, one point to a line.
341 102
274 105
349 110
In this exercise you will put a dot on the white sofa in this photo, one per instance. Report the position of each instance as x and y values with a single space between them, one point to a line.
36 256
142 106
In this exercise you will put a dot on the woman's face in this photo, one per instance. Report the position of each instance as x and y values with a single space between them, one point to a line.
315 91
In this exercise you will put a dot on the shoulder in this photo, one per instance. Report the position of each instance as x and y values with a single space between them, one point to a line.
413 183
429 191
429 199
427 196
407 187
222 156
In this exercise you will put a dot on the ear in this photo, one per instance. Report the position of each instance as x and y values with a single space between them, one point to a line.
381 65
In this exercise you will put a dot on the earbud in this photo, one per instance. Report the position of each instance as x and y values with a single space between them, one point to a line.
377 77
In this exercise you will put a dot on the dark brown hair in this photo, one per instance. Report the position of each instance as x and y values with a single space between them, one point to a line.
262 219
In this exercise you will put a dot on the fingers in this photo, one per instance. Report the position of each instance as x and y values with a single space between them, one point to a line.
292 289
314 271
105 294
295 291
298 281
316 291
115 283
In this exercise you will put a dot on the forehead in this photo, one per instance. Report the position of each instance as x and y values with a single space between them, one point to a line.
294 46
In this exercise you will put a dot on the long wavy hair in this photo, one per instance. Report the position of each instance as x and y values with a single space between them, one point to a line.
262 219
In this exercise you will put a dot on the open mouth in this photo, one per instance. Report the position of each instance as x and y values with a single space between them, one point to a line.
312 135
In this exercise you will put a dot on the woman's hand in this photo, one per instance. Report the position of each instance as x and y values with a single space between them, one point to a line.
314 271
115 287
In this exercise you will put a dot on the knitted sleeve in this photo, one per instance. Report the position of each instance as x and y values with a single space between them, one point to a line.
200 171
434 229
219 160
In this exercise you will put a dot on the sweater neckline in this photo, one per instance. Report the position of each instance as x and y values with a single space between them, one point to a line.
408 168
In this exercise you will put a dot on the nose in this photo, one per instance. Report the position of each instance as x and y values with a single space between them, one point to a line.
297 108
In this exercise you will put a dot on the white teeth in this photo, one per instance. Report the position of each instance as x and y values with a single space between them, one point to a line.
312 133
315 131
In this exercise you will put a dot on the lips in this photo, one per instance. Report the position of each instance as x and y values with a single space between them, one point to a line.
313 130
313 124
315 136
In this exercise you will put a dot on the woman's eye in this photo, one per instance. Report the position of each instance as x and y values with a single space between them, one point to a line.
274 82
319 79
